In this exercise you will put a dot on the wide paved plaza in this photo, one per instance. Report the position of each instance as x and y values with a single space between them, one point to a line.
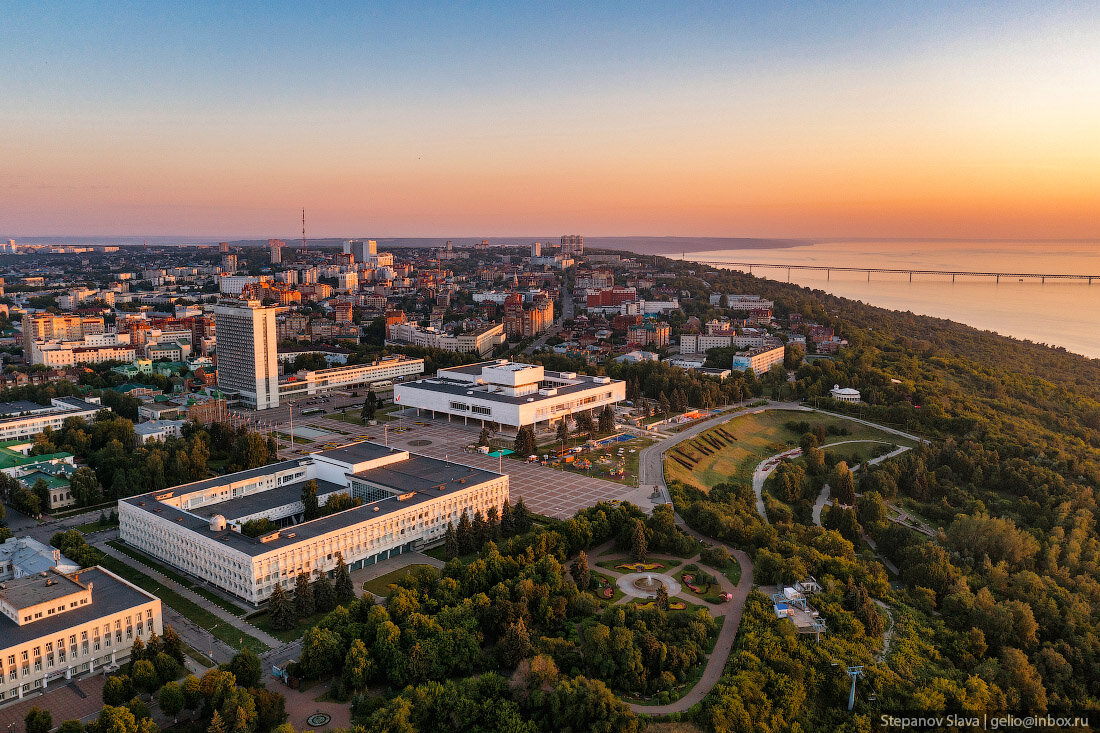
544 490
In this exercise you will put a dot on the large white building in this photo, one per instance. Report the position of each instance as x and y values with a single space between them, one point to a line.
247 347
481 341
20 420
408 501
55 626
320 381
508 393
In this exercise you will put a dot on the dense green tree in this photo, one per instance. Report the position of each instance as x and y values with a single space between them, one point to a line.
85 487
38 721
607 420
516 644
282 609
145 676
450 541
246 667
842 485
71 726
345 589
581 574
117 690
638 541
303 596
563 430
324 596
309 500
464 534
170 699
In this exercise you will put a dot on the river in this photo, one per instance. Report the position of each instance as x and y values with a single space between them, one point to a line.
1058 313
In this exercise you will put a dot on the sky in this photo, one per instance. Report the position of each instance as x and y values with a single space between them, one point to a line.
808 120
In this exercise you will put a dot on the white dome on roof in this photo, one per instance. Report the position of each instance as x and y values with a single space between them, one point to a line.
217 523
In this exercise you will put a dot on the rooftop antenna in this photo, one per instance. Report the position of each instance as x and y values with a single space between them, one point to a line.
303 231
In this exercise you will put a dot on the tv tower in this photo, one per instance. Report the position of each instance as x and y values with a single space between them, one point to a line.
303 232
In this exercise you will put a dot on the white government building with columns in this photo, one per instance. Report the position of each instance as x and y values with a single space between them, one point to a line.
508 393
55 626
408 501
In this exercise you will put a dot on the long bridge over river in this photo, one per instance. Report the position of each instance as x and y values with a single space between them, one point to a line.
830 269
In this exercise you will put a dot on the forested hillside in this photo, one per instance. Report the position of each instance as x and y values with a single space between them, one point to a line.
999 609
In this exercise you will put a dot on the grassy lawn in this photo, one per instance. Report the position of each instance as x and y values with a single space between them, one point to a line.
262 621
176 576
380 586
616 594
203 618
197 656
95 526
756 437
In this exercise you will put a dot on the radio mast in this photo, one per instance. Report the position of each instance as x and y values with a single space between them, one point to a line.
303 232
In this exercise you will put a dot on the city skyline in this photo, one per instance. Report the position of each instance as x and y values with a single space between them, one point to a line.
848 121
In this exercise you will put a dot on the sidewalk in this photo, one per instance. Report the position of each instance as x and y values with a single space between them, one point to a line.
218 611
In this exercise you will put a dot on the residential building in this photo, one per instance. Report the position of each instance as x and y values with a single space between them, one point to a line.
57 626
408 502
92 349
49 327
478 341
572 245
760 359
246 349
611 297
276 247
526 322
650 332
320 381
508 393
158 430
21 420
25 556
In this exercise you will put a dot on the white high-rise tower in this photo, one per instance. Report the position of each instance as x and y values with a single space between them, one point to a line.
247 359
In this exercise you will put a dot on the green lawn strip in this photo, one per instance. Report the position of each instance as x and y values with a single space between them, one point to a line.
197 656
170 573
262 621
380 586
201 617
92 527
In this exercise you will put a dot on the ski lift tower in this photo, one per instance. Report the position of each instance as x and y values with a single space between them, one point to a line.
853 672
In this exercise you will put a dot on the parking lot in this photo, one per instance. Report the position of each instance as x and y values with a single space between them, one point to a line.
544 490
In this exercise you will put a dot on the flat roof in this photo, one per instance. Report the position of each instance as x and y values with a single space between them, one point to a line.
41 587
14 408
255 502
460 388
358 452
228 478
423 477
110 594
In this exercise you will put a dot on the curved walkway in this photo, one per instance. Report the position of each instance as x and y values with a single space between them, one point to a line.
716 662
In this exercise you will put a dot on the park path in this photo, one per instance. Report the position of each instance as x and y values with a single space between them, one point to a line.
716 662
651 473
768 465
270 641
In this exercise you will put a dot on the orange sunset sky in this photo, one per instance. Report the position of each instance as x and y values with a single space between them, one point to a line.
817 120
